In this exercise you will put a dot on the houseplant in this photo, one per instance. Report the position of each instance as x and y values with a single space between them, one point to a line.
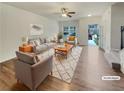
59 36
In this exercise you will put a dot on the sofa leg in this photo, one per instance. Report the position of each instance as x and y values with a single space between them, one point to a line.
18 81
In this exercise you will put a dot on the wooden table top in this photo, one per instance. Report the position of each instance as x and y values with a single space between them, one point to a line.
66 48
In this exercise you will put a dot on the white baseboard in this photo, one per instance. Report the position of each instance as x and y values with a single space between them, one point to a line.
6 59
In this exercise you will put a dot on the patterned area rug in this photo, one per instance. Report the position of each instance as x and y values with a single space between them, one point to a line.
63 68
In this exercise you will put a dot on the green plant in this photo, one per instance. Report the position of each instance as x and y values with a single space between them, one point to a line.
60 35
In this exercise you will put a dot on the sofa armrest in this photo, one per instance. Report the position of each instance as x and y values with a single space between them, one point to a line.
41 70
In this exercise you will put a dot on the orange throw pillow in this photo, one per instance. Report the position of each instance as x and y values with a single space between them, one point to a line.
71 38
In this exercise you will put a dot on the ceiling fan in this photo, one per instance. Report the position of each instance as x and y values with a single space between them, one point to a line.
66 13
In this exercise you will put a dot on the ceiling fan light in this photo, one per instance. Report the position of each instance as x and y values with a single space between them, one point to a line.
64 15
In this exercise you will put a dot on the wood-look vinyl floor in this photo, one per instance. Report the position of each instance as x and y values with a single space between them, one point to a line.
88 75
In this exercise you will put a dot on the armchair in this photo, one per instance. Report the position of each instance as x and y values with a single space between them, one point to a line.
32 74
72 40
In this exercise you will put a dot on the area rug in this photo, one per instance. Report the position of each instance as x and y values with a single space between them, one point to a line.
63 68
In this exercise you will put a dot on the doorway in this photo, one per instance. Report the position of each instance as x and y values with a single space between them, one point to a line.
93 35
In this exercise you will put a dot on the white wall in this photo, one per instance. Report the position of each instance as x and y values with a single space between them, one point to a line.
112 20
83 28
106 29
16 24
116 23
0 33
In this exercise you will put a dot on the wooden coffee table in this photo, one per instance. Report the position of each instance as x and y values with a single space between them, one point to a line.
63 50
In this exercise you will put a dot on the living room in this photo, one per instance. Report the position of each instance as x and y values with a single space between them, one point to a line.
32 18
62 43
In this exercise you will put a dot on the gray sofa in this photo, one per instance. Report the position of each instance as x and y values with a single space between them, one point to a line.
32 71
40 45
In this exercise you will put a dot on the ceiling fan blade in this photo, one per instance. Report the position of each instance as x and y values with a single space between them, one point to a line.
71 12
63 10
69 15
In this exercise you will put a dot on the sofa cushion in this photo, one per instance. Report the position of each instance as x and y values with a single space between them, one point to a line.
26 57
43 55
40 48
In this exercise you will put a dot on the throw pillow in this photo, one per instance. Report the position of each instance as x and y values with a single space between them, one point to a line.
71 38
41 41
37 42
36 59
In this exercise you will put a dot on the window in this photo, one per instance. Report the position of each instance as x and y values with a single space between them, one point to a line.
69 31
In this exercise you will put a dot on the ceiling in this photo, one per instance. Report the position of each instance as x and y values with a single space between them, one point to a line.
52 9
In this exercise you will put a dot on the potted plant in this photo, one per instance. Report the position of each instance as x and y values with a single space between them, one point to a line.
60 36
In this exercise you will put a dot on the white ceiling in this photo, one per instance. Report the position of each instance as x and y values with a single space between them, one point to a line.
52 9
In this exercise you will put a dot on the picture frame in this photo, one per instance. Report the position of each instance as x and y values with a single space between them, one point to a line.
36 29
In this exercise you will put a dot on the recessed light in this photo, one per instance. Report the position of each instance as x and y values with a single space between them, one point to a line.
89 15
